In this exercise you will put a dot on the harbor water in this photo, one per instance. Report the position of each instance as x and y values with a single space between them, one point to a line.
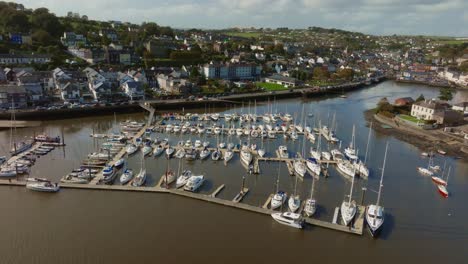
86 226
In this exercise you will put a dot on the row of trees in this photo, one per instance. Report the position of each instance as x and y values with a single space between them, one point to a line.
319 73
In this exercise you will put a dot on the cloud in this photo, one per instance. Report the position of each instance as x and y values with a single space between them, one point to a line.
434 17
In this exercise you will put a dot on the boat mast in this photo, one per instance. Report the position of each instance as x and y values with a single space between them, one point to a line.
312 188
448 174
352 186
277 179
381 177
368 141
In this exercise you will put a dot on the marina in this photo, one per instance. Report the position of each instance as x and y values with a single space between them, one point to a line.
217 204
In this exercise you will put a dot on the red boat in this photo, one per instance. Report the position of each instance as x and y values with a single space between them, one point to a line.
443 191
439 181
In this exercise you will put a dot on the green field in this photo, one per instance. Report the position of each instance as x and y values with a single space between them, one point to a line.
243 34
271 86
452 42
409 118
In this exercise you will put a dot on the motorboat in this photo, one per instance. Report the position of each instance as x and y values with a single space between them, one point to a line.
315 153
169 128
67 179
206 144
217 130
299 167
313 166
108 174
294 202
183 178
8 172
188 144
346 168
351 153
197 143
48 139
326 155
131 149
194 183
283 152
425 171
289 219
45 186
126 176
205 153
278 199
230 146
222 145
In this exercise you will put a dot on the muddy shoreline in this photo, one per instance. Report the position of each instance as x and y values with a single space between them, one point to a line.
425 141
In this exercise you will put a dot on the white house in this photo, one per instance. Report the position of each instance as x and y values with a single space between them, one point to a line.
462 107
134 90
426 110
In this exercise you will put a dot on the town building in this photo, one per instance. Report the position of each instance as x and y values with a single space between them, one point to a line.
110 34
71 39
160 47
14 59
461 107
13 96
426 109
134 90
20 39
176 85
232 71
282 80
91 55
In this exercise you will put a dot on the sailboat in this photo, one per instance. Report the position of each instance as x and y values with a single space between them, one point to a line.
311 204
348 208
361 166
350 151
183 178
315 153
375 212
440 180
426 171
17 147
294 202
443 188
141 176
280 197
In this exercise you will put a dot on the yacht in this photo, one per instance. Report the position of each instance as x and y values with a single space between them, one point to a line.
43 186
261 152
283 152
375 212
168 128
206 144
7 172
313 166
239 132
140 178
131 149
348 207
361 169
198 143
222 145
299 167
73 179
350 151
183 178
337 155
425 171
310 207
126 176
188 144
278 199
289 219
194 183
326 155
108 174
347 168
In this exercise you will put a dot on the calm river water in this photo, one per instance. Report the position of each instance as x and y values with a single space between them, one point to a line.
80 226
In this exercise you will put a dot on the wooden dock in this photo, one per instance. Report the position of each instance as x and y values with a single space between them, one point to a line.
217 191
238 198
356 228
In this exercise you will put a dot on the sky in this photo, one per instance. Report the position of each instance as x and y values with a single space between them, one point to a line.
379 17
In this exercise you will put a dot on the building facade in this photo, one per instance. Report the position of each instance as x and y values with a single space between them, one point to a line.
232 71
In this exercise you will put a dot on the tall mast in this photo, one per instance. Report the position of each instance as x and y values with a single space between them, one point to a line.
277 180
352 186
448 174
381 177
312 188
368 141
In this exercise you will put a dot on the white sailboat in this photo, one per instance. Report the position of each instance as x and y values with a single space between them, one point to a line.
294 201
280 197
141 176
126 176
348 208
311 204
375 212
350 151
313 166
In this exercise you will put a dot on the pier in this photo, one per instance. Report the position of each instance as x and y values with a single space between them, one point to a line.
356 228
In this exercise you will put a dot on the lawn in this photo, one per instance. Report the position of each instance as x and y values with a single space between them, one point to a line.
271 86
409 118
244 34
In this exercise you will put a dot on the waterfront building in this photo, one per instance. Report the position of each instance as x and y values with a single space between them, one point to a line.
426 109
232 71
71 39
13 94
12 59
134 90
282 80
461 107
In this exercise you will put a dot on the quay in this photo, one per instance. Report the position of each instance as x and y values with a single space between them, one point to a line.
356 228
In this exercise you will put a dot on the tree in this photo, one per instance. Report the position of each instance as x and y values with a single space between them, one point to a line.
42 19
346 74
445 94
420 98
42 37
320 73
